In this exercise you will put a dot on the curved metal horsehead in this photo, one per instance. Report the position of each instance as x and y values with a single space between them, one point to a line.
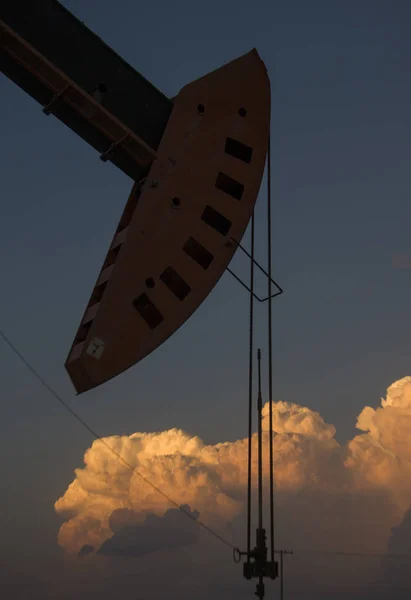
195 195
173 241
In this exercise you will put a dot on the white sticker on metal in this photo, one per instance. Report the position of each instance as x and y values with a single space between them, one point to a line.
95 348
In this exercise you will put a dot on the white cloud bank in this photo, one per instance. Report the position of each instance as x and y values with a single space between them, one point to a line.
328 496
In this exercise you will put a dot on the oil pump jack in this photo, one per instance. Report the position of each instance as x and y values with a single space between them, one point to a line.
196 162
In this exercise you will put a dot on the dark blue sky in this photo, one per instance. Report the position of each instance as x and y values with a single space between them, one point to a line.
341 97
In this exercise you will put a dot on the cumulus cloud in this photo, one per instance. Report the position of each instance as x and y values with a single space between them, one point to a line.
155 533
349 497
382 455
292 418
178 464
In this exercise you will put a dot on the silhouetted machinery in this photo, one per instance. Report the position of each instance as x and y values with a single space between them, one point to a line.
197 161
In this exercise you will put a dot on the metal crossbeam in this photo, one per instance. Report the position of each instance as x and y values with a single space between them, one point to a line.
83 103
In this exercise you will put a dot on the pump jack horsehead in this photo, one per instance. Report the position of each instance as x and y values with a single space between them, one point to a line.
197 161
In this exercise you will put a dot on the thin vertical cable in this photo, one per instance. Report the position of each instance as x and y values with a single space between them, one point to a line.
282 574
250 388
270 352
260 446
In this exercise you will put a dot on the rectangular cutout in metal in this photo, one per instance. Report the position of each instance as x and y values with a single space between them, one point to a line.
129 209
229 186
198 253
98 293
238 150
82 333
216 220
175 283
148 311
111 257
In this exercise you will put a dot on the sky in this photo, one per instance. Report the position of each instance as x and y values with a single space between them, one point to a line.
340 132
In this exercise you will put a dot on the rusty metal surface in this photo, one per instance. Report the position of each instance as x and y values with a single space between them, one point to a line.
173 243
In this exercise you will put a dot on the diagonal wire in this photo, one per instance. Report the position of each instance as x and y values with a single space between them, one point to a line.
98 437
353 554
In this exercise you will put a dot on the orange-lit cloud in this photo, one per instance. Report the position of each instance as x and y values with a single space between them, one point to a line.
336 496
